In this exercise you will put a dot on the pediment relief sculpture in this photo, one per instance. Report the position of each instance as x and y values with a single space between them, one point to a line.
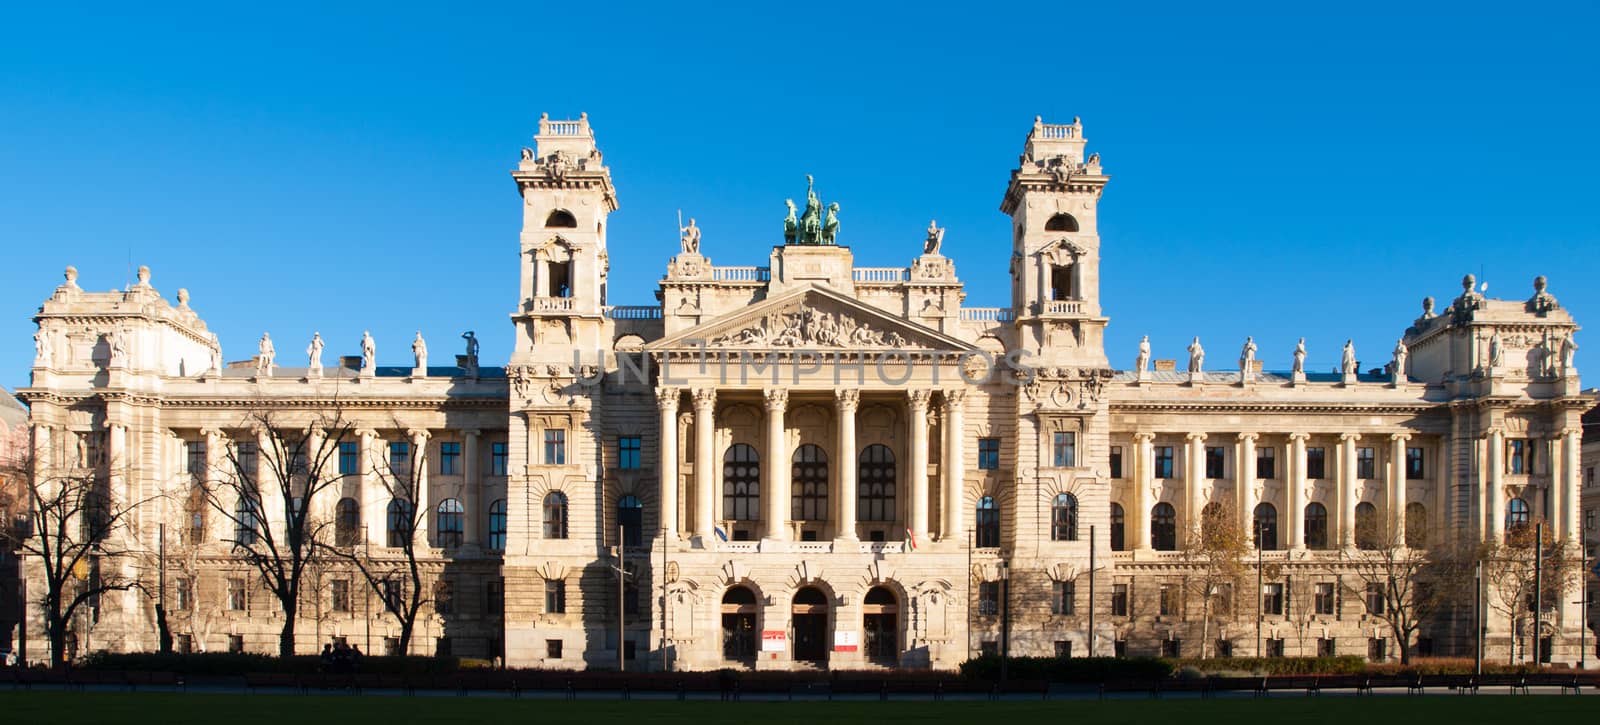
809 327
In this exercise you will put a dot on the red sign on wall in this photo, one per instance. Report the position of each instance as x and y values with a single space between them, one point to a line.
774 640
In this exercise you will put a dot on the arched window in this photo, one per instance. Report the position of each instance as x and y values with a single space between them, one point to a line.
346 522
880 622
555 515
400 522
1118 528
808 617
1266 526
809 479
561 219
1416 525
1064 518
988 530
497 525
630 515
1518 515
739 623
1316 526
450 520
1061 223
1163 527
741 483
876 483
1366 526
247 521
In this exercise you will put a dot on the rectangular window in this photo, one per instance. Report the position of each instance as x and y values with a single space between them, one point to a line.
989 647
1163 461
988 454
1063 648
495 597
555 596
349 458
1119 600
1588 520
399 457
1224 648
1062 601
552 649
444 597
1374 597
1377 649
185 594
195 461
1214 462
1366 463
1116 461
449 458
1275 647
989 597
184 644
628 453
245 452
499 457
1119 648
1272 599
1065 450
1172 648
394 592
339 590
555 447
236 597
441 647
235 644
1169 600
1519 458
391 646
1316 463
1414 464
1266 463
1325 647
1324 598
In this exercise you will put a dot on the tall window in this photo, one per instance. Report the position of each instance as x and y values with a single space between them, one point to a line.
988 519
339 595
1266 526
450 522
346 522
349 458
1316 526
809 477
555 596
195 460
1366 525
499 458
1118 522
1520 458
1272 598
1414 469
630 515
497 525
1266 462
196 508
1323 598
245 453
1374 598
1119 600
876 481
555 515
1064 449
555 447
1366 463
1168 603
989 597
988 454
741 483
628 452
1116 461
247 521
400 522
1064 518
1063 600
1517 514
1163 461
1316 463
399 458
236 594
449 458
1163 527
1416 525
1214 462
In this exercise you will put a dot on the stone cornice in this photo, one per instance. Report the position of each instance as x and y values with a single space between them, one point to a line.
1266 406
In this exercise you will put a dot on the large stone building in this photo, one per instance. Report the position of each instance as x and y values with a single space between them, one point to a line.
806 462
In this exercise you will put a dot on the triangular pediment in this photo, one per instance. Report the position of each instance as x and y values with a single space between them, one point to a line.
813 318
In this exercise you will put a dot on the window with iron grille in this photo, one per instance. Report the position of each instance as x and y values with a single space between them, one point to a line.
989 597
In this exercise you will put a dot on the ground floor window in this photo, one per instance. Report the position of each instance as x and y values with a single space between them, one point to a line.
1172 648
739 624
880 622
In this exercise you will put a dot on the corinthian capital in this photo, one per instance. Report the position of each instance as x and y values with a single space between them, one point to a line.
705 398
776 398
667 398
847 399
954 398
919 399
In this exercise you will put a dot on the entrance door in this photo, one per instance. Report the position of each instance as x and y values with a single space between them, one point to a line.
739 625
880 622
809 613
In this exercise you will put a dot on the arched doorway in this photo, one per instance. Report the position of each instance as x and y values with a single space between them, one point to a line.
810 614
881 622
739 625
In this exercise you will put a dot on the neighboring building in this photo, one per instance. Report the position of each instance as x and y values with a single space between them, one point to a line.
14 438
1591 529
806 462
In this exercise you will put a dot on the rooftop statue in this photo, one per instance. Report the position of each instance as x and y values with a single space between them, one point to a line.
935 238
690 238
816 225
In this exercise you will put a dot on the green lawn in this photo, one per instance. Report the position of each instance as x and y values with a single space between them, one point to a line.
125 709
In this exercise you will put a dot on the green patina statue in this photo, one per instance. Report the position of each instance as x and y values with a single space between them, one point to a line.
811 227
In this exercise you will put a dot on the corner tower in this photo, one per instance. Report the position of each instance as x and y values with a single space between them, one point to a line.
1055 255
566 196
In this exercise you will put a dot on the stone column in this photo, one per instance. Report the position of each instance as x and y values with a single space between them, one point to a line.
1347 489
1296 484
667 451
117 460
1570 481
267 485
214 461
424 492
1493 488
1194 482
472 490
705 403
847 401
1396 490
373 502
1143 481
953 466
776 495
1244 477
918 475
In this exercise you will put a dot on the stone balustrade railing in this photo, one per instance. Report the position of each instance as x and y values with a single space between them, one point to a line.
987 314
1058 131
1063 307
550 304
741 274
881 274
633 312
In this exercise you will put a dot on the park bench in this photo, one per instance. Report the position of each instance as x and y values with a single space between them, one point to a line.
373 681
274 680
1024 687
1150 687
143 678
963 687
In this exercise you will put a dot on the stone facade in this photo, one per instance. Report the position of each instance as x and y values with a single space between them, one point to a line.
808 463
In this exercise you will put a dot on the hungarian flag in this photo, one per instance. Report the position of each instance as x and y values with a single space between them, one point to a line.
720 533
911 539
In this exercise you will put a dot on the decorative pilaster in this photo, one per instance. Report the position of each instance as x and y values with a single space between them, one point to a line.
1143 481
705 403
1296 491
1494 487
917 401
373 501
776 495
667 452
472 490
954 466
1194 482
1570 481
1244 475
847 401
1347 488
419 474
1396 490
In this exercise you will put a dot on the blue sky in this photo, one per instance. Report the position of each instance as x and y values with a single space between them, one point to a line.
1276 171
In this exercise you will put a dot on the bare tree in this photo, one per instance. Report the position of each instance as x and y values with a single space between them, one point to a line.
1401 579
1509 570
269 490
187 565
394 575
1215 557
76 529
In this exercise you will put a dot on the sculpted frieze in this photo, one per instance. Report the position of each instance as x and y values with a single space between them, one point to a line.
808 327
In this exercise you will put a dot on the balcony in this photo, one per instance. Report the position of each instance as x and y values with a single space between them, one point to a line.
549 304
1061 307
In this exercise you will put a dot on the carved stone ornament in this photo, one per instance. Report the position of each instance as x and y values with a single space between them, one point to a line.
809 328
556 165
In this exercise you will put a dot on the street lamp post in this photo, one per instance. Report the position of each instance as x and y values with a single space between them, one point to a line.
1261 588
366 597
1005 617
